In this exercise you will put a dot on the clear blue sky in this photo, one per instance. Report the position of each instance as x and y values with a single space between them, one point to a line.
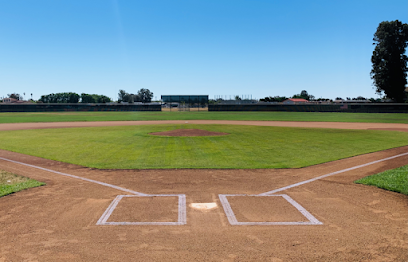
215 47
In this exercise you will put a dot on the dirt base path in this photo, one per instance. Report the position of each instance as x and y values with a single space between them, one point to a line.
337 125
57 222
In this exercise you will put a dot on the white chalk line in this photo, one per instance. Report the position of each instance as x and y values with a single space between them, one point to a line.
304 212
232 219
105 216
227 209
182 210
312 220
78 177
330 174
182 214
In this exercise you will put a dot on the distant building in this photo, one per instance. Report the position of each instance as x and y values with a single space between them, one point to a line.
237 102
187 99
292 101
9 100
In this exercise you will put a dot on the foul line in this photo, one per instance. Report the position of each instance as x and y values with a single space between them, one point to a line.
78 177
182 220
232 219
327 175
182 214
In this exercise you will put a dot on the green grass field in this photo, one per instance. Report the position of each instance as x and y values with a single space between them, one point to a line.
11 183
394 180
131 147
203 115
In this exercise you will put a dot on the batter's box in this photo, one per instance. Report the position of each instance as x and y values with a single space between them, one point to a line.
265 210
145 210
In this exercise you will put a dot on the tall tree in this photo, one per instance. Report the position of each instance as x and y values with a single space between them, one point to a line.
15 96
144 95
68 97
389 71
304 94
102 99
87 98
94 98
273 99
123 96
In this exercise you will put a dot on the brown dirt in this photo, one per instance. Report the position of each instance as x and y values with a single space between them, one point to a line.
264 209
336 125
188 132
145 209
57 222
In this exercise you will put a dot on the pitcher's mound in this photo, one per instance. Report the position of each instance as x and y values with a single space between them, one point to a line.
188 132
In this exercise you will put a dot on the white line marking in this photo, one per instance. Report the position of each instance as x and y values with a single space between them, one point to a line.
233 219
182 218
312 220
304 212
182 213
78 177
109 210
228 210
327 175
182 209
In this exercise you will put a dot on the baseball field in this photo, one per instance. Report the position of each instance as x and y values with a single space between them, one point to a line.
203 186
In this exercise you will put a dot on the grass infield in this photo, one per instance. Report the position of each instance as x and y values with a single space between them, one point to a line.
11 183
203 115
394 180
131 147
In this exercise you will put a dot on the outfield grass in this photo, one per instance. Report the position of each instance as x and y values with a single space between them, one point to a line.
11 183
203 115
394 180
131 147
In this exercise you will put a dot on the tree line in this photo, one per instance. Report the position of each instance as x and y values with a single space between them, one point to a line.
70 97
143 95
305 95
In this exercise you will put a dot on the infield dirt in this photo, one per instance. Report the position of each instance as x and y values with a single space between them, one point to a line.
57 222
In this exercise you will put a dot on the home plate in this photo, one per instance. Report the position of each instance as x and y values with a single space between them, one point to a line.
203 206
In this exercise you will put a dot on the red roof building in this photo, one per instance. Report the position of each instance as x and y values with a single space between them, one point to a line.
9 100
295 101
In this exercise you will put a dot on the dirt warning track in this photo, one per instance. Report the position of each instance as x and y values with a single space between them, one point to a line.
62 221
